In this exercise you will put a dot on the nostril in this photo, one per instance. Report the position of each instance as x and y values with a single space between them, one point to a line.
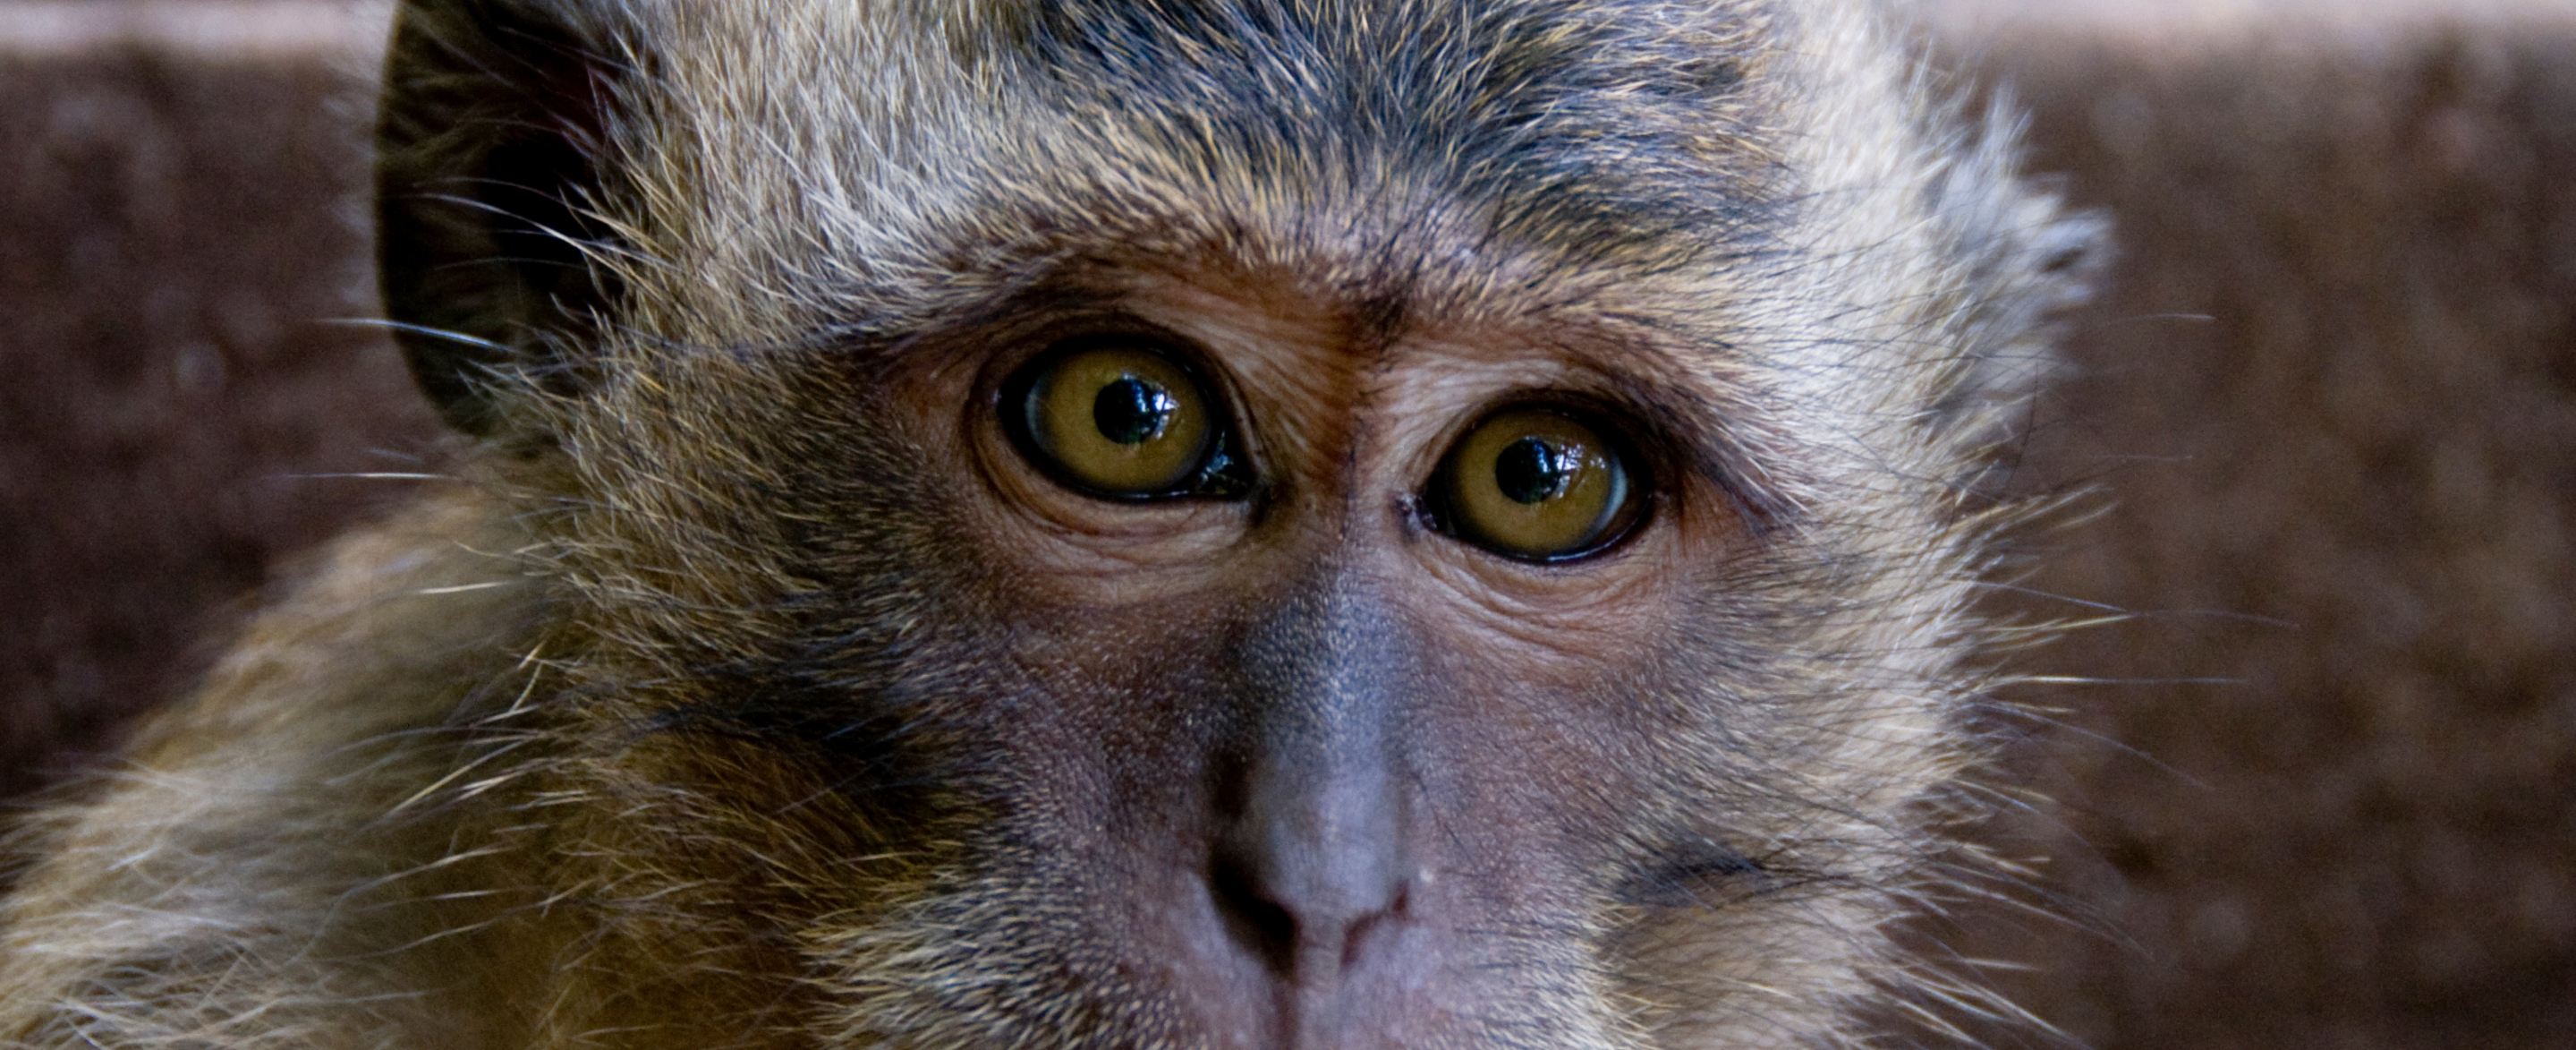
1261 925
1355 939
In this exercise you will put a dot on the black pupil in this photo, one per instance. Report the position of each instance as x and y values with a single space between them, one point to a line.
1532 471
1133 411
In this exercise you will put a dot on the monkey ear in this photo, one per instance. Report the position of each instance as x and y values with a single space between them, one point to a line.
2026 263
494 118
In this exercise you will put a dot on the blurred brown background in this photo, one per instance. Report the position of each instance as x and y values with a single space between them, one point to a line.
2322 793
2326 795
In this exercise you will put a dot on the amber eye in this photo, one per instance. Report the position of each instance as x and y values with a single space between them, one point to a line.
1537 485
1121 421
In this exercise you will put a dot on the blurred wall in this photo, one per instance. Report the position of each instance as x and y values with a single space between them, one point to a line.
180 221
2323 793
2321 790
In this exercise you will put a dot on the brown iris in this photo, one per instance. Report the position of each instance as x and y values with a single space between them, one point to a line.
1535 484
1120 421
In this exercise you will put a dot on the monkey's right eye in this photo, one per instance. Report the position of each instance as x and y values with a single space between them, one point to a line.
1121 421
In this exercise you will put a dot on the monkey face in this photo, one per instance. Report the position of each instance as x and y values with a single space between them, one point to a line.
1269 737
1301 749
1114 528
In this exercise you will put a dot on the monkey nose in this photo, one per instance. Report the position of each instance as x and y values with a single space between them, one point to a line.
1316 869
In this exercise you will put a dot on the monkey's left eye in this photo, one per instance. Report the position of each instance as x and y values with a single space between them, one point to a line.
1535 484
1121 420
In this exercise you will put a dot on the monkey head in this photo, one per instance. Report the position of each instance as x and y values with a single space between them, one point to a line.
1225 523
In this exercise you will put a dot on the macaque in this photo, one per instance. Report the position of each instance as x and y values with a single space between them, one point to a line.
1051 524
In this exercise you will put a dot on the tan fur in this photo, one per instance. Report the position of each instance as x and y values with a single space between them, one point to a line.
526 768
